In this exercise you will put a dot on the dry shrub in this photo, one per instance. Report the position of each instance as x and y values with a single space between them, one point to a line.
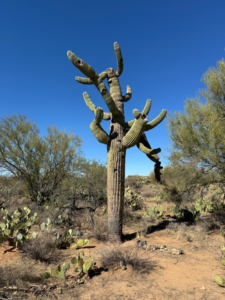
18 274
100 230
41 248
148 192
128 217
189 233
119 256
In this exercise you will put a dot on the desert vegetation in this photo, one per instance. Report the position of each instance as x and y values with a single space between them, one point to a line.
54 239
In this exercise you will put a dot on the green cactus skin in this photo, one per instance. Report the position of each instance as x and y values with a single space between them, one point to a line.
96 128
220 281
118 140
128 94
45 275
16 227
58 273
222 248
90 104
65 267
134 134
81 266
223 262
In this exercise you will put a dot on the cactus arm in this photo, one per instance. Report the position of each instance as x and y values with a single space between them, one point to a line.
129 124
96 128
156 121
145 112
90 104
86 69
143 144
83 80
119 59
128 94
146 150
147 107
133 135
107 97
143 140
96 79
102 76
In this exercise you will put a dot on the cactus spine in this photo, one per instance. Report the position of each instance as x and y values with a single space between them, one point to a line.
123 135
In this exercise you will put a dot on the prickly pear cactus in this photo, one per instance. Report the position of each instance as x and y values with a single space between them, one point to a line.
16 227
220 280
58 273
80 266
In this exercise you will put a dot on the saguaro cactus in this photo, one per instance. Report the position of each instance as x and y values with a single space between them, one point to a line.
123 135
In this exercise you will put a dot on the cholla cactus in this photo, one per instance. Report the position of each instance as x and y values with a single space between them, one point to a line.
123 135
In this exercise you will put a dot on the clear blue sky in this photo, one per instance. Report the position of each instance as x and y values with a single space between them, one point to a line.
166 48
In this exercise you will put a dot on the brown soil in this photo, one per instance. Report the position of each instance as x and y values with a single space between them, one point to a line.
187 276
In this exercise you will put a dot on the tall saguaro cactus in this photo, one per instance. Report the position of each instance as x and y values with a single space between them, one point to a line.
123 135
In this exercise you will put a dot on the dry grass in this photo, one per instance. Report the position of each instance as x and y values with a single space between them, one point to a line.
189 233
19 275
41 249
121 257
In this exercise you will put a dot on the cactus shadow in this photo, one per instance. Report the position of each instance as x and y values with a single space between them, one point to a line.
97 271
151 228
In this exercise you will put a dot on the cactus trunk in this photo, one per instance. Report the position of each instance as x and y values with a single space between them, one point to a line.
115 190
116 164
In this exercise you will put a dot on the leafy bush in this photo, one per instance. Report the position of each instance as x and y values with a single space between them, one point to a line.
136 181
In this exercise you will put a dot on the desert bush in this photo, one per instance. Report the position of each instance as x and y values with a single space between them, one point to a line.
152 178
100 230
121 257
41 248
136 181
18 275
128 217
149 193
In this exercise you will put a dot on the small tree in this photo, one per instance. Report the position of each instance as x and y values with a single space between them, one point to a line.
41 163
123 135
197 135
